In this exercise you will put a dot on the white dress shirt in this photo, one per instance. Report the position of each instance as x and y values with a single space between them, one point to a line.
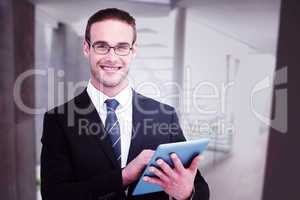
123 112
124 115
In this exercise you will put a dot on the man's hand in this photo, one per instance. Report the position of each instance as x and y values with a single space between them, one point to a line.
177 182
133 170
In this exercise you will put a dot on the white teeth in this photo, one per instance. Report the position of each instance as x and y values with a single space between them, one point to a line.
108 68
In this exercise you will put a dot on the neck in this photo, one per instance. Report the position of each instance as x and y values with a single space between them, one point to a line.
110 91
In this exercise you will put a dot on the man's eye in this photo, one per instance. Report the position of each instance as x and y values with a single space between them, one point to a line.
122 48
100 46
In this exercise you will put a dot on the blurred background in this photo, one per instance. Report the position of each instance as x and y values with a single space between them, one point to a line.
213 60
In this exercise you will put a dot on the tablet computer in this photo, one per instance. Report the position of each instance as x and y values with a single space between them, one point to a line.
186 151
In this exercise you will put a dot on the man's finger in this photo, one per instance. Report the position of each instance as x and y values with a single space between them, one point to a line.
195 163
177 162
153 180
165 168
145 156
159 174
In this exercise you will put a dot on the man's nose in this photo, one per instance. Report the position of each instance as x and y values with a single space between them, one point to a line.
111 57
111 52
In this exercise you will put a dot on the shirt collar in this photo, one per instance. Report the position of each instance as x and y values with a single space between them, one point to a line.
98 98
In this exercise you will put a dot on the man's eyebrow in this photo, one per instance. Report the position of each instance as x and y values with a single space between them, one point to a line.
99 42
123 43
104 42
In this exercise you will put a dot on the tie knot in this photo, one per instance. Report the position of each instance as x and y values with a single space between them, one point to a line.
111 104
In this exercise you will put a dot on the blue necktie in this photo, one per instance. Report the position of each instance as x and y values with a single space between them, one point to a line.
112 127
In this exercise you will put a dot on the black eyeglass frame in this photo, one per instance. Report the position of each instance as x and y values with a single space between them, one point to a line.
108 49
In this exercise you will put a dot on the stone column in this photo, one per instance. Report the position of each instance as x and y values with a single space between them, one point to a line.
17 165
282 164
179 45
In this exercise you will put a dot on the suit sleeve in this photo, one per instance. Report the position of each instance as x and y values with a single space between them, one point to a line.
57 176
201 189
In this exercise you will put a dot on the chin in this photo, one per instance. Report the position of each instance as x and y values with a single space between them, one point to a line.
112 83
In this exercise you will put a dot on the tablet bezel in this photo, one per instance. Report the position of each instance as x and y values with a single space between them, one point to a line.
186 151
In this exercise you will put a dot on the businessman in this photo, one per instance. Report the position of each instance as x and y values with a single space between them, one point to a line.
96 145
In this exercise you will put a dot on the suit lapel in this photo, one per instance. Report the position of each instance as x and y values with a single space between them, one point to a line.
92 117
137 126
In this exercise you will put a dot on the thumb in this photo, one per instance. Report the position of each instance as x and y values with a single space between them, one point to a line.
195 163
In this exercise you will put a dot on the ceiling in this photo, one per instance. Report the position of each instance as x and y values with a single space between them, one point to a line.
253 22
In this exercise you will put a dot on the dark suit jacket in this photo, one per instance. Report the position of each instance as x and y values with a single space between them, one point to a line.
77 160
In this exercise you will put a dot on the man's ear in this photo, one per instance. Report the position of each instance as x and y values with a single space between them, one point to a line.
134 49
86 49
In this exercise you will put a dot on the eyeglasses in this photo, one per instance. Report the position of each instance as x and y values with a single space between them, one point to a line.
103 48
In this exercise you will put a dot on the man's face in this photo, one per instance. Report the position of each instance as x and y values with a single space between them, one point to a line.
109 70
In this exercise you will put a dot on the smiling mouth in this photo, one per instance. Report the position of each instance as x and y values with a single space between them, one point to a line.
110 68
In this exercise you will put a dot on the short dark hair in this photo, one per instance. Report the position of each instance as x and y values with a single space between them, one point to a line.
110 13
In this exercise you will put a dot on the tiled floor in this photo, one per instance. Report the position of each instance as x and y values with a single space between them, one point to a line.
240 176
